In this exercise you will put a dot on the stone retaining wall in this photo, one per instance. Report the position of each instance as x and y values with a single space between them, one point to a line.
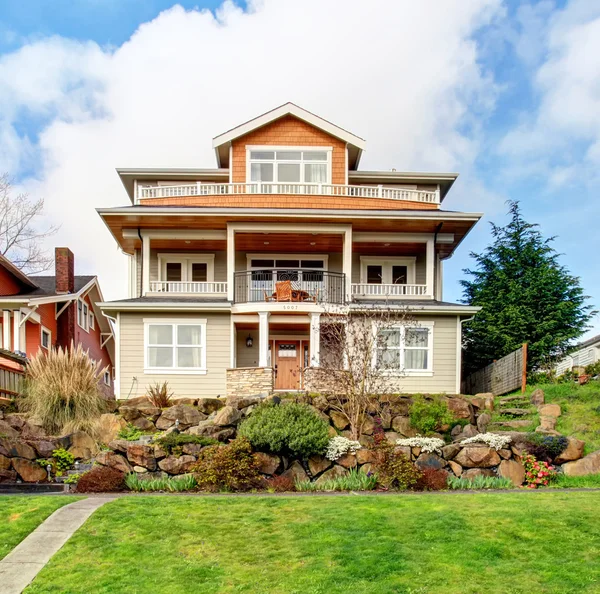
249 381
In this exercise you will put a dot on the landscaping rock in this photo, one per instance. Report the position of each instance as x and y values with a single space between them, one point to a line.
82 447
477 401
224 435
402 425
514 424
365 456
268 463
347 461
456 431
368 426
368 468
241 402
227 416
332 473
472 473
4 462
405 450
15 421
129 413
513 470
483 420
392 436
426 460
15 448
547 423
186 415
505 454
140 470
516 412
30 472
321 403
474 456
573 451
450 451
109 426
460 408
174 465
590 464
468 431
119 445
141 455
209 405
152 412
339 420
549 410
116 461
296 472
7 431
191 449
457 469
537 397
318 464
144 424
44 448
160 452
8 476
386 419
415 452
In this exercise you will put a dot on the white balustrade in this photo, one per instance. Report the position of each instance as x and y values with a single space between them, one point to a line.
200 189
196 288
366 290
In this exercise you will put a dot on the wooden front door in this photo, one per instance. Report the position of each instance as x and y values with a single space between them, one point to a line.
287 361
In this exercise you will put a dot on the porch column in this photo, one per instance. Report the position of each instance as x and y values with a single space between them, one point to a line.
347 262
263 338
430 267
230 262
315 339
17 330
6 329
145 264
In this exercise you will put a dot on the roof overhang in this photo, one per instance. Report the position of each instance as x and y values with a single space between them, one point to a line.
16 272
116 306
222 142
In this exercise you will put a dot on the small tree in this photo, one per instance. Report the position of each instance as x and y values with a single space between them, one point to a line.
358 360
526 295
20 238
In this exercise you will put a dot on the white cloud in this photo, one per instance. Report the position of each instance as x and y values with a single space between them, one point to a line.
402 74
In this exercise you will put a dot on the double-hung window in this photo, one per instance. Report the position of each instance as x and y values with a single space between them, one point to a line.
289 165
406 349
177 346
83 316
46 338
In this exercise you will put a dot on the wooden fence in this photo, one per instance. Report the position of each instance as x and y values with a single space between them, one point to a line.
501 376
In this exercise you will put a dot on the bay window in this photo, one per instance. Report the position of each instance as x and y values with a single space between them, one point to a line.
177 346
406 349
289 166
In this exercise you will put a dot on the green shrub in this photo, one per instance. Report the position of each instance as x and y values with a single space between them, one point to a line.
177 440
480 482
63 460
593 368
172 484
394 469
73 479
429 416
289 429
545 447
62 391
130 433
355 480
230 467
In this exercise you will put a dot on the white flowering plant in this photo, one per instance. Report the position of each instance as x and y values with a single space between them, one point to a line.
338 446
427 444
498 442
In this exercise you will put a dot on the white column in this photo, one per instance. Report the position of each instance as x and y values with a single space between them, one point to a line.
347 262
430 267
16 330
230 261
145 265
117 341
6 329
315 339
263 338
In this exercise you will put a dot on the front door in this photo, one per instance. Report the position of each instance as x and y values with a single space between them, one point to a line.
287 365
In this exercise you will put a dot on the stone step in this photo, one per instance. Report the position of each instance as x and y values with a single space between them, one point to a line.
516 412
512 424
511 399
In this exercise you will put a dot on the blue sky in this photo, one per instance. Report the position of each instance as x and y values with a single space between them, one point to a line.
505 93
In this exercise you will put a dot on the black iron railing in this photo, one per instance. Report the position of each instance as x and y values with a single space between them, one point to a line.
289 285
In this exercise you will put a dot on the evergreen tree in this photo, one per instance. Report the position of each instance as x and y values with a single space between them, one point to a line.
525 294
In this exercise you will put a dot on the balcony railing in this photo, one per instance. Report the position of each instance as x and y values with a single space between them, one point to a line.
196 288
289 285
367 290
200 189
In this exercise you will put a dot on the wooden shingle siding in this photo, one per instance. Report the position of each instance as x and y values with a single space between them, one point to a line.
134 381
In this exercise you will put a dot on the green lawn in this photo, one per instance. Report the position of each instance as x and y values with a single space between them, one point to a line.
423 543
21 515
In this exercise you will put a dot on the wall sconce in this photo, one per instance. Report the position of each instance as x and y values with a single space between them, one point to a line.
249 341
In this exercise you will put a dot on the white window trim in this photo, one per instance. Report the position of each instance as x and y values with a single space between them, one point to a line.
411 372
107 374
84 316
175 322
186 262
250 257
249 148
386 265
91 319
42 330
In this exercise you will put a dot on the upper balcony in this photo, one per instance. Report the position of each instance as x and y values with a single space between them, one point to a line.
177 194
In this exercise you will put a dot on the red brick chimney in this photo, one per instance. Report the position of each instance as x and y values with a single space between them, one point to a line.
64 263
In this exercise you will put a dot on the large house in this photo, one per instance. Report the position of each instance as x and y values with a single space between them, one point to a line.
232 268
43 312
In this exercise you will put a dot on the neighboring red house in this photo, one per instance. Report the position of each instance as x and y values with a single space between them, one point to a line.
42 312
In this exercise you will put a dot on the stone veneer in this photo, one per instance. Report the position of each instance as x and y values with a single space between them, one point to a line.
249 381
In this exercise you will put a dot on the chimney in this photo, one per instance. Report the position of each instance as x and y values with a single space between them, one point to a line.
64 263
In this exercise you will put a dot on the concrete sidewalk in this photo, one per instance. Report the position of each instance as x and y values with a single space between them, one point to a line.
23 563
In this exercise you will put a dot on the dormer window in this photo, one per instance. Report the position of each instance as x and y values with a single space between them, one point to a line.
289 165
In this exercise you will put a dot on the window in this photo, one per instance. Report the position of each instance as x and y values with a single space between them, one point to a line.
92 321
46 338
387 271
107 377
198 268
293 166
83 316
179 345
406 349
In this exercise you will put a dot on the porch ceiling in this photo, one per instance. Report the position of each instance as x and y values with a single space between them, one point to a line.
287 242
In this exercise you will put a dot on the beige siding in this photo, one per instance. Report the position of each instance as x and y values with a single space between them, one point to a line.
133 380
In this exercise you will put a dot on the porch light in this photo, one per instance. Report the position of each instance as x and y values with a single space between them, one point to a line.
249 341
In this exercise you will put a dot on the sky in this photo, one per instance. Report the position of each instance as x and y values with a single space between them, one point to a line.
505 93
